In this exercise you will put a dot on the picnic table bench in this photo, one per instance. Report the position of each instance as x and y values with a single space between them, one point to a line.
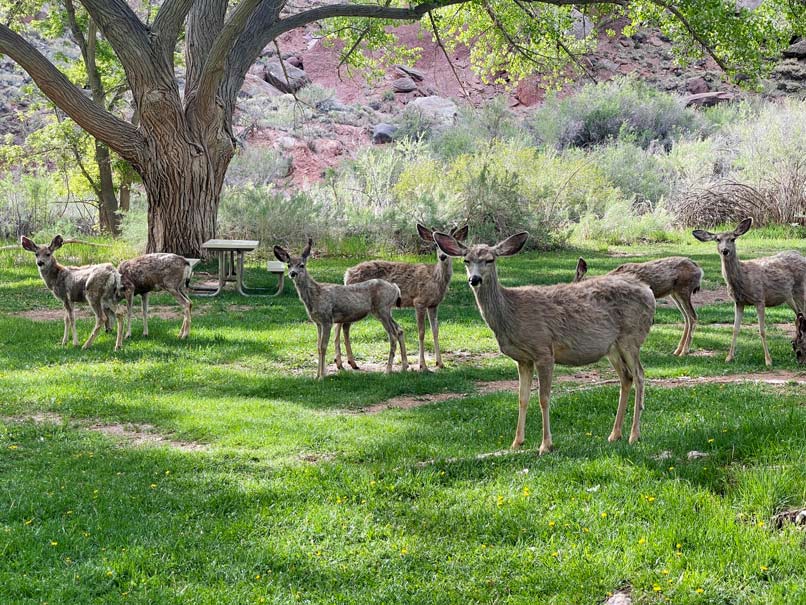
230 253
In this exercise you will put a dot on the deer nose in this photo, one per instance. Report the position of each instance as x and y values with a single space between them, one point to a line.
725 252
292 274
40 263
474 280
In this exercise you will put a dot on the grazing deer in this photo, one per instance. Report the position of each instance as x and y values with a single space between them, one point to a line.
97 285
763 282
422 286
799 342
327 304
571 324
158 271
676 277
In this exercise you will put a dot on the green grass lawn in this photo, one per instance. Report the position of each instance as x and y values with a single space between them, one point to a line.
271 487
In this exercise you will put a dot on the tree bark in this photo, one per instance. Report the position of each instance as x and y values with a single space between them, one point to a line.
108 217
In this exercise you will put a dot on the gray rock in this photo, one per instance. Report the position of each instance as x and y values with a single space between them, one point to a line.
582 27
796 51
707 99
383 133
329 105
404 84
412 72
442 110
296 77
697 85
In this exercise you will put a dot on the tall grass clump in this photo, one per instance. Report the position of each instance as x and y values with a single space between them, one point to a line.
624 109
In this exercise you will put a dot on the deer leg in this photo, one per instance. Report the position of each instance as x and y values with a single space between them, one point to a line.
420 314
119 319
186 305
144 299
625 378
401 340
67 313
691 312
763 333
684 337
349 347
526 370
738 313
391 331
544 375
637 370
434 321
337 347
324 337
129 299
100 319
72 314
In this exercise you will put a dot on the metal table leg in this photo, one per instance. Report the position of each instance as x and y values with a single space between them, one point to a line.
210 292
245 291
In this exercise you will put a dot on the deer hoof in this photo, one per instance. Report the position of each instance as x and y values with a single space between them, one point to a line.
634 437
614 437
768 363
440 365
729 358
424 368
353 365
516 445
545 448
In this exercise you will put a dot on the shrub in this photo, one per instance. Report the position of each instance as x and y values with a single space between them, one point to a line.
635 171
624 223
623 109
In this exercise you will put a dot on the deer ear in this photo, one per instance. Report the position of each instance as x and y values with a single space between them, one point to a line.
460 235
743 227
582 269
703 236
56 243
425 233
448 245
282 255
307 251
511 245
28 244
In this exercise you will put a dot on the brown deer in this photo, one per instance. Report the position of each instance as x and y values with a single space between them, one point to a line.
571 324
327 304
422 286
158 271
97 285
676 277
763 282
799 342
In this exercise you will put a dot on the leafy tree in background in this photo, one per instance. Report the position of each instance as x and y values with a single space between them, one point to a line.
183 140
87 166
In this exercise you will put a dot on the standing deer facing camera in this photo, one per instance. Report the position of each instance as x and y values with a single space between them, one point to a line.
762 282
327 304
677 277
97 285
572 324
421 286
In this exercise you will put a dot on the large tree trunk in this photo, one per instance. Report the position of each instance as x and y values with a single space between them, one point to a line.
183 191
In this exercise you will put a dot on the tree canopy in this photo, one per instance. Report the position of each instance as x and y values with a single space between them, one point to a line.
182 142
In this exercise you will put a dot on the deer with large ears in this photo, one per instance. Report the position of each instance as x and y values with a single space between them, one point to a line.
422 286
677 277
762 282
327 304
97 285
571 324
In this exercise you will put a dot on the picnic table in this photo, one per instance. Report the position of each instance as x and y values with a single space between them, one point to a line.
230 253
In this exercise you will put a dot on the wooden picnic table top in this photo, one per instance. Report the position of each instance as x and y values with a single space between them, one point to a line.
231 244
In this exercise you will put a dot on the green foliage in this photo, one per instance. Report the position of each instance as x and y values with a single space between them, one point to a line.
635 171
623 109
625 223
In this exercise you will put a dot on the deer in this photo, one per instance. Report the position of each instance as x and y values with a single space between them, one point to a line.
799 342
327 304
422 286
769 281
677 277
97 285
157 271
570 324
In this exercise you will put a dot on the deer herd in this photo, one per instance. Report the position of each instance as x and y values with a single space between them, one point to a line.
572 324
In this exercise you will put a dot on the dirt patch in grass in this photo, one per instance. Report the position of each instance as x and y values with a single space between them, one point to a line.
134 434
407 402
317 457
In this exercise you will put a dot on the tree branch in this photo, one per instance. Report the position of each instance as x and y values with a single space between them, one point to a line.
124 30
692 32
168 22
118 134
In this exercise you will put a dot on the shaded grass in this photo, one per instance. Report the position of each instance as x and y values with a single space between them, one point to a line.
396 507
